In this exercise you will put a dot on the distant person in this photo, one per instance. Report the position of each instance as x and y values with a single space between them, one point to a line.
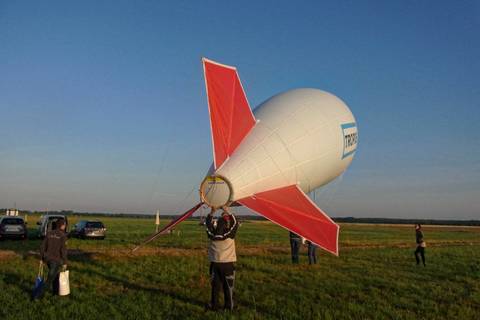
222 256
312 252
53 252
420 251
295 243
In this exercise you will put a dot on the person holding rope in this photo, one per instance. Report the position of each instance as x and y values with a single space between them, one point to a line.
222 256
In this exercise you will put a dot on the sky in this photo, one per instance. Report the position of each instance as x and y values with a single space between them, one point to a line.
103 105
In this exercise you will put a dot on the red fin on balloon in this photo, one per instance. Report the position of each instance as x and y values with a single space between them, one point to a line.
231 118
292 209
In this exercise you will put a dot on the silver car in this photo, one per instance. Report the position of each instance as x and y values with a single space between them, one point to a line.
12 227
89 229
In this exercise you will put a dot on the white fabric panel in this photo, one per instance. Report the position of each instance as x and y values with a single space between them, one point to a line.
298 139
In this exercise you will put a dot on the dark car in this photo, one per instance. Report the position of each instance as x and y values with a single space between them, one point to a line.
89 229
13 227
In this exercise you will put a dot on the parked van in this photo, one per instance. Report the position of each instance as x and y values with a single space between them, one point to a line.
45 223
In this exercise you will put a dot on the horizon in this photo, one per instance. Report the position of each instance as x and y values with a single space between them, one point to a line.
246 213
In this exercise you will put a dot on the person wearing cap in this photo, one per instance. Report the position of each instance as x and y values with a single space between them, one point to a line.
222 256
53 252
420 251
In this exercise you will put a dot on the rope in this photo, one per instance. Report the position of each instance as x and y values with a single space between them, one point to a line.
178 206
40 269
203 261
162 164
328 192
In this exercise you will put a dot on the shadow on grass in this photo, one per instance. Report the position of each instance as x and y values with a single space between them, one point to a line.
30 249
22 248
81 256
26 249
25 284
13 279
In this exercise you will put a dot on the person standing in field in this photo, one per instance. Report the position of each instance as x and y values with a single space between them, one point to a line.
295 242
222 256
312 252
53 252
420 251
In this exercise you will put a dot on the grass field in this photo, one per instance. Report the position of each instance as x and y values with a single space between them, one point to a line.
375 276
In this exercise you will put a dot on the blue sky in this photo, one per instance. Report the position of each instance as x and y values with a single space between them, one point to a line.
103 104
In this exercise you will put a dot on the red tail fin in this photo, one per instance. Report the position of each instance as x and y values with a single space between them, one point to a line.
231 118
292 209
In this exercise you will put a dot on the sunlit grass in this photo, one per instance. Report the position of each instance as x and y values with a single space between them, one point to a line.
375 276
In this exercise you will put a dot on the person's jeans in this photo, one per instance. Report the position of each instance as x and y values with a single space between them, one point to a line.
222 275
295 245
312 256
420 252
53 274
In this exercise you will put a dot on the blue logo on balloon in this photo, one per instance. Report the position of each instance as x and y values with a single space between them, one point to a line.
350 138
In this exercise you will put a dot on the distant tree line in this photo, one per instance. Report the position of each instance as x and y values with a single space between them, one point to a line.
260 218
408 221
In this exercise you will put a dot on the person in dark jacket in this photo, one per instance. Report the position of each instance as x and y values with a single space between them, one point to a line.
295 243
222 256
420 251
312 252
53 252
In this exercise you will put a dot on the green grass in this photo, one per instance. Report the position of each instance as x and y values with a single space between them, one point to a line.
375 276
